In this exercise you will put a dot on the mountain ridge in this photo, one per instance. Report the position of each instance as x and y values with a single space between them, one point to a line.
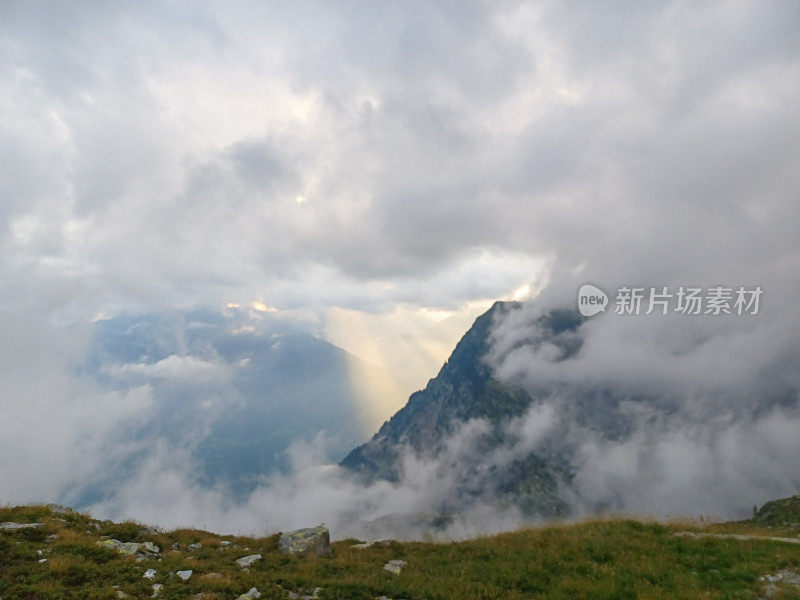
466 389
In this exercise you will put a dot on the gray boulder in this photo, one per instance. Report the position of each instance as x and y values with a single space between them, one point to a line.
250 595
142 551
311 540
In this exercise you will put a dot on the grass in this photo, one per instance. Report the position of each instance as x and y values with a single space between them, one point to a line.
597 559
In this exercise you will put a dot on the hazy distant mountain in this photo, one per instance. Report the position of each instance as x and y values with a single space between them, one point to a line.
232 391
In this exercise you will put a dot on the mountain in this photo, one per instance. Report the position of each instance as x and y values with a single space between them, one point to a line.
466 388
588 435
230 391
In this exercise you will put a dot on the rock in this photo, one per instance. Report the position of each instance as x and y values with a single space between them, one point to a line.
60 510
394 566
13 526
157 587
250 595
184 574
141 551
302 595
196 546
42 560
149 574
316 540
224 543
786 577
246 561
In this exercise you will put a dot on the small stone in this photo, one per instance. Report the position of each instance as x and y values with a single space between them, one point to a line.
394 566
157 587
60 510
141 551
42 560
196 546
246 561
149 574
184 574
224 543
250 594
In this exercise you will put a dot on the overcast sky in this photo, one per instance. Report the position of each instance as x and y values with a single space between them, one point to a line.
365 155
373 157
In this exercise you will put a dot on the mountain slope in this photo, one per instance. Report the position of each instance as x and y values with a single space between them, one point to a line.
465 389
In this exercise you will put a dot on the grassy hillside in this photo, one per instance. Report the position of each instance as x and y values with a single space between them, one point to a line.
598 559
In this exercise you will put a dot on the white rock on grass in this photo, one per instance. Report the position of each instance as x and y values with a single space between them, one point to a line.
157 587
246 561
394 566
250 595
184 574
149 574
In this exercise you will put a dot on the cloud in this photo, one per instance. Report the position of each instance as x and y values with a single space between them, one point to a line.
664 414
165 490
447 153
177 167
172 367
58 429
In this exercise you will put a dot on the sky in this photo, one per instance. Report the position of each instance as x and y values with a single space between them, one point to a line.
384 167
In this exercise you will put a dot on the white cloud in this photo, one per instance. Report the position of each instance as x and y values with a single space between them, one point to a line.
173 367
449 153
